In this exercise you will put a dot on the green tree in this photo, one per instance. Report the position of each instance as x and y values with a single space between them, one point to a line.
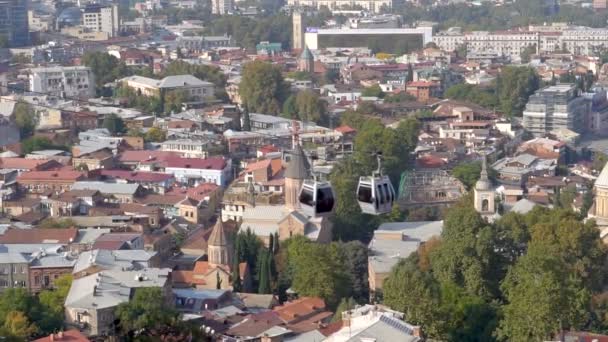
105 67
145 310
17 324
264 273
155 134
399 97
346 304
262 88
249 246
514 86
218 281
173 101
468 173
36 144
52 301
373 91
467 257
246 120
57 223
310 107
25 119
317 271
415 293
114 124
237 286
527 53
290 109
538 295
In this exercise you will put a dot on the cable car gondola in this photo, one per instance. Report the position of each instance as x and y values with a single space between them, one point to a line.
376 194
317 198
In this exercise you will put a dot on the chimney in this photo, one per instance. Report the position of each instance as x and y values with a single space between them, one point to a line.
52 337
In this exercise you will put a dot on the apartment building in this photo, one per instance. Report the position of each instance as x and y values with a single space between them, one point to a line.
372 6
187 147
72 81
556 107
14 22
98 18
197 90
222 7
577 40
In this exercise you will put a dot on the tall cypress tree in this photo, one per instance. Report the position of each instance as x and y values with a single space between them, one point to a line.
246 120
264 275
218 281
236 276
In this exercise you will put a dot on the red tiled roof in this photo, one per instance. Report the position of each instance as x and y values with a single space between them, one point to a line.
202 190
421 84
268 149
300 307
212 163
345 129
39 235
109 245
262 164
134 156
137 176
64 336
25 164
430 162
51 175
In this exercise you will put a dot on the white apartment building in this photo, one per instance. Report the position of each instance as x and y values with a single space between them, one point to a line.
576 40
221 7
369 5
187 147
98 18
197 90
72 81
583 41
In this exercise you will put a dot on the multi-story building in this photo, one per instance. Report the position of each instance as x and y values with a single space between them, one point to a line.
200 43
600 4
197 170
372 6
577 40
93 299
98 18
14 22
397 40
196 89
556 107
187 147
73 81
222 7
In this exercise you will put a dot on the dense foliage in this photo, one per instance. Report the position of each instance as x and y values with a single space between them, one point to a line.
23 315
262 88
508 94
522 278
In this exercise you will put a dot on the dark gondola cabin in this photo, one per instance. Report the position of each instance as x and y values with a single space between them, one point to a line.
317 198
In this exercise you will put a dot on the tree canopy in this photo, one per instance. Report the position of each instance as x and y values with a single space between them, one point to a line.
114 124
521 278
145 310
262 88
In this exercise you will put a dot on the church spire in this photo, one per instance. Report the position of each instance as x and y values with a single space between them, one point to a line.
484 181
218 247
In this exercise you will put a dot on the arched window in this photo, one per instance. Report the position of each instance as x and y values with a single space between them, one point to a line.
484 205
